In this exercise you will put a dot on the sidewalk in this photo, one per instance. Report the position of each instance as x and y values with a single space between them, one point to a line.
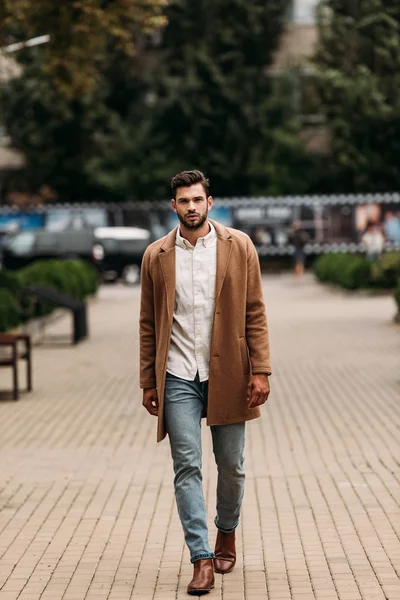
86 498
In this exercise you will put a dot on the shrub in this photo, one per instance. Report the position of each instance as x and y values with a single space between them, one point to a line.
386 271
74 277
9 316
356 273
9 280
347 270
397 295
83 276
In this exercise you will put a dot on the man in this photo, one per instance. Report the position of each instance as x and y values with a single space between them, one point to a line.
392 227
203 352
374 242
298 238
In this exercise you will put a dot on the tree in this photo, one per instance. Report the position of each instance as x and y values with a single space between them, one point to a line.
201 97
207 101
82 33
214 90
358 70
54 133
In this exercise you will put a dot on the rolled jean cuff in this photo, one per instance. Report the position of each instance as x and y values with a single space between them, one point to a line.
201 556
223 529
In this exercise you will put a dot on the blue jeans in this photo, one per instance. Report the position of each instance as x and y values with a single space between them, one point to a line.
185 404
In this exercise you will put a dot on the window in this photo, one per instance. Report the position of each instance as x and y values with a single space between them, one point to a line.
76 242
22 243
46 242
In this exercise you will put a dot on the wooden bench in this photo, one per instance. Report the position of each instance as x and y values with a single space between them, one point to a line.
12 343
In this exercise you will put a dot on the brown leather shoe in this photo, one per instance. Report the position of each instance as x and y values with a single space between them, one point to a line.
225 552
203 577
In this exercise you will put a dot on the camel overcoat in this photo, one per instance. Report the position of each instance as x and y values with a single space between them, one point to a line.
239 343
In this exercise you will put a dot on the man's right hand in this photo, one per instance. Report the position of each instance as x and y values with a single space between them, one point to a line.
150 401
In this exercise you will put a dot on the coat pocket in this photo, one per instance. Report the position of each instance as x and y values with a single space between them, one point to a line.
244 353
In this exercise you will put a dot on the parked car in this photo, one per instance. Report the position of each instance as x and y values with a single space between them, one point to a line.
118 251
115 251
25 247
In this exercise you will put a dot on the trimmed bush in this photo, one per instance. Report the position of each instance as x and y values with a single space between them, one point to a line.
386 271
9 280
356 273
83 276
347 270
9 316
397 295
74 277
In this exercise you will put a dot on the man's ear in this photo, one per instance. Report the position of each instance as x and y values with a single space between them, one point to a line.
173 204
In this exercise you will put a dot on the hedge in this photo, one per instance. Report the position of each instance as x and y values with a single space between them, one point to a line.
386 271
397 295
347 270
352 272
74 277
9 315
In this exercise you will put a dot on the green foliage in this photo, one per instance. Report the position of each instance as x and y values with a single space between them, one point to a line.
358 69
75 277
218 109
386 271
347 270
200 98
9 280
81 34
397 295
9 316
54 133
81 277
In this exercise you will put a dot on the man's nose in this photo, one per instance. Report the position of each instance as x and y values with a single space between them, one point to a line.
192 206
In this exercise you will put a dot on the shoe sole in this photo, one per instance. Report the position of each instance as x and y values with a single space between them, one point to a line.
200 592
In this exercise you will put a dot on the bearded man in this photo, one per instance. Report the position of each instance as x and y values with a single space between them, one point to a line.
204 352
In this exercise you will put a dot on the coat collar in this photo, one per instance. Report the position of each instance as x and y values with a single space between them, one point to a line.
167 260
169 240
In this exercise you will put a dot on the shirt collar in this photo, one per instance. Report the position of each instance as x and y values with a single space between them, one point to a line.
205 240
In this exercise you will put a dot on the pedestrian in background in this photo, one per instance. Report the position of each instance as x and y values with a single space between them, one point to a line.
374 241
392 227
204 352
298 238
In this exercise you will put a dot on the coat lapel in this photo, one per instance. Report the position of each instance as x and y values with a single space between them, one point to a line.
224 249
167 261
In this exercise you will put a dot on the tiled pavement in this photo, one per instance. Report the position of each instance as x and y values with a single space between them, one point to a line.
86 497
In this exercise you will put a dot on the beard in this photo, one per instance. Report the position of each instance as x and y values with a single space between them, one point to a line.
193 226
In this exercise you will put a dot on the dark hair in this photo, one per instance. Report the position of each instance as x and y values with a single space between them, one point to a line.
188 178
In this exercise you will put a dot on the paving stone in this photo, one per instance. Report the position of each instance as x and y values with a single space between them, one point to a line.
86 497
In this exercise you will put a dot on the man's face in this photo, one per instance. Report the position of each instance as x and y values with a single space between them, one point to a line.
192 206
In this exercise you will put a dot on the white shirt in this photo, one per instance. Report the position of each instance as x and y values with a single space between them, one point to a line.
196 270
374 241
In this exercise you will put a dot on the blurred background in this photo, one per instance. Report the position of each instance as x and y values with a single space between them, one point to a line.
290 107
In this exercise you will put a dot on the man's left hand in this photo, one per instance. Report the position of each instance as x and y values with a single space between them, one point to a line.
258 390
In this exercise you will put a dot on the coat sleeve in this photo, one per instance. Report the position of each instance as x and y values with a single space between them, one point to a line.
256 319
147 327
